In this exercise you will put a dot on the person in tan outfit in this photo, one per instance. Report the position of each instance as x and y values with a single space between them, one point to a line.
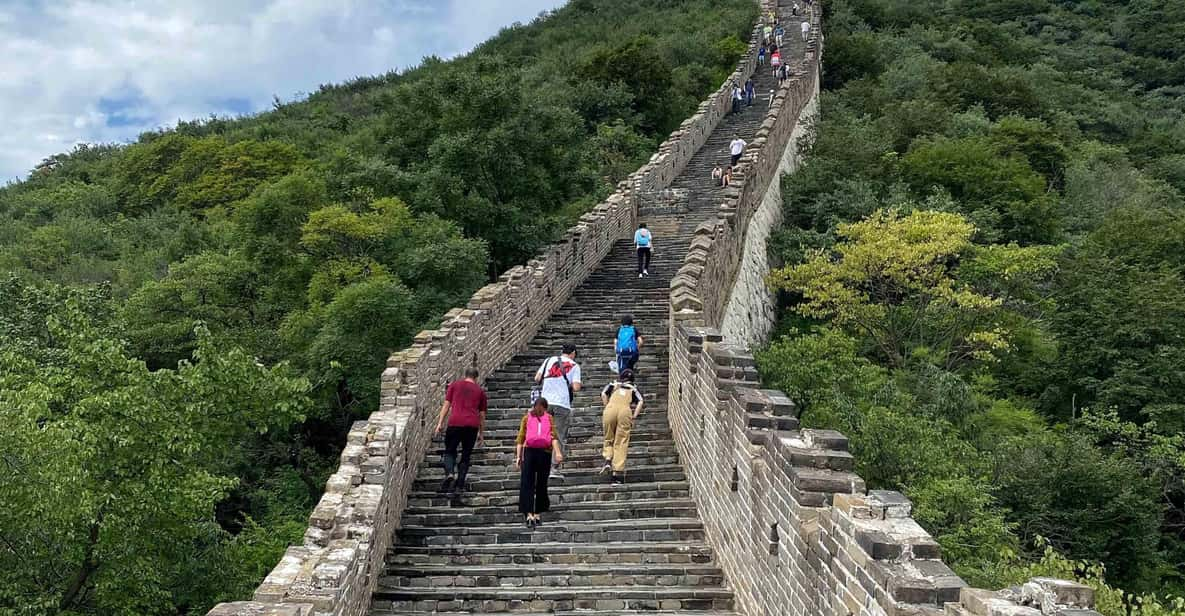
623 402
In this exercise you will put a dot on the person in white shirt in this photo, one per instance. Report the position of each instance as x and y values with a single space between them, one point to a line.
560 377
806 29
736 147
643 242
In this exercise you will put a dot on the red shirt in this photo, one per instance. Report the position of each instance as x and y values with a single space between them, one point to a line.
468 403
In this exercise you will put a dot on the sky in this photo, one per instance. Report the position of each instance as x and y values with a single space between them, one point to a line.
101 71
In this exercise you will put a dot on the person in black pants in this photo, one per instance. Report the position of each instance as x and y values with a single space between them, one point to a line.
643 242
464 406
536 441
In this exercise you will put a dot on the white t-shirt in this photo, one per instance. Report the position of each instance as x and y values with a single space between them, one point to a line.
737 146
555 390
806 27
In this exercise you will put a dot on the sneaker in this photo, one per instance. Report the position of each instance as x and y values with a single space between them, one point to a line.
613 367
618 479
608 468
639 275
447 484
555 473
645 272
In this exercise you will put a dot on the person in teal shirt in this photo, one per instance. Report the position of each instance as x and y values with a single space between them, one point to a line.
643 242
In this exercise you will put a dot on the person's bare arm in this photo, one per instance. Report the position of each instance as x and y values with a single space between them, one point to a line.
444 409
638 409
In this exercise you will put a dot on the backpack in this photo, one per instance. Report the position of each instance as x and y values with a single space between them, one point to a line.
538 431
559 365
627 339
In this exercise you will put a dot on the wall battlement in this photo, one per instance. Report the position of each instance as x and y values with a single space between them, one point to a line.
333 572
795 530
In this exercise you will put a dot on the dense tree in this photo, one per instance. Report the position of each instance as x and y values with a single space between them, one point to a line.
230 269
1032 151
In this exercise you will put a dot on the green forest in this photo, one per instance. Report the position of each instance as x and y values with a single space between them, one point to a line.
984 281
190 323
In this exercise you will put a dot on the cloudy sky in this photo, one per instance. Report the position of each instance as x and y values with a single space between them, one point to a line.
104 70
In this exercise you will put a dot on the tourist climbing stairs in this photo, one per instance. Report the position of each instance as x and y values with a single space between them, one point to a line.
602 549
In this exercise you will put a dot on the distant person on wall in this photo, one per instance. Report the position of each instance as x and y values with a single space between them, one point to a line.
623 402
784 74
761 56
772 95
795 9
806 30
628 344
738 95
536 445
779 34
735 148
465 409
775 61
560 377
643 243
768 32
728 176
749 92
718 176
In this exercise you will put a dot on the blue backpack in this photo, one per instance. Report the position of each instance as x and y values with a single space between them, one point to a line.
627 339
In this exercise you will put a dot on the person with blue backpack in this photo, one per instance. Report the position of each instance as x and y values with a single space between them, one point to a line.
628 344
643 241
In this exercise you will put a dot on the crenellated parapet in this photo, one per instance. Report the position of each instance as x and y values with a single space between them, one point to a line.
795 529
797 532
334 571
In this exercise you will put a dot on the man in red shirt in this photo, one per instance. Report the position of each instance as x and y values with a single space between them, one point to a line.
465 407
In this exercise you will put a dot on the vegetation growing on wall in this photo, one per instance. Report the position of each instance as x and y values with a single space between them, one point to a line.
985 279
189 324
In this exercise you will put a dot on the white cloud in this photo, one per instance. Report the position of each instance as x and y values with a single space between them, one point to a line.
105 70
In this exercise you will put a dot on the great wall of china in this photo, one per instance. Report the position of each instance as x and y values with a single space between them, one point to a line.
734 508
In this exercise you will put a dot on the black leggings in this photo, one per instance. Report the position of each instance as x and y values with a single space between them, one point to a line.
465 437
643 258
532 491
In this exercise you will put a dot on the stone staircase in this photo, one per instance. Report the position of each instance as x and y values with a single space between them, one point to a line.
603 549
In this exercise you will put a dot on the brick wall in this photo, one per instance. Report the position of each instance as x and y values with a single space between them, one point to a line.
794 529
334 570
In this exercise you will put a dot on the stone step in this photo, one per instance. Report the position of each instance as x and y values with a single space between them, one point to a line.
568 512
512 576
588 450
658 529
545 598
482 463
622 552
580 476
559 494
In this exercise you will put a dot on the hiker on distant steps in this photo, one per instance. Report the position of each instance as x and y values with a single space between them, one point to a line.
736 147
561 380
643 242
628 344
623 403
536 443
465 408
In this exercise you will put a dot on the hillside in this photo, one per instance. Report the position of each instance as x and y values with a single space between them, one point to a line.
189 324
985 264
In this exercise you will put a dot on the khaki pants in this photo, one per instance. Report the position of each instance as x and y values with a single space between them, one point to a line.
617 422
